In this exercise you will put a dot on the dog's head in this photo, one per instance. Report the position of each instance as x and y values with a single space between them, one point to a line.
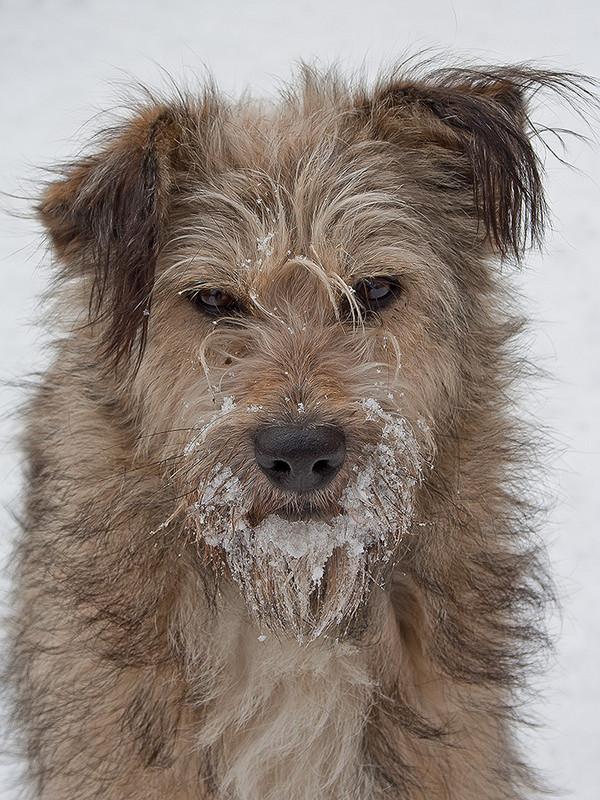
296 307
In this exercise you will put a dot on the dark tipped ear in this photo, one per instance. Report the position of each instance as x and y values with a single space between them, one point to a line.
481 115
108 216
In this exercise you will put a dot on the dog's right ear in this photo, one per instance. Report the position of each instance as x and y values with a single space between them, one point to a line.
107 217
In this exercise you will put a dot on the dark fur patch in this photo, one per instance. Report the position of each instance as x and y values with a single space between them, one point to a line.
109 215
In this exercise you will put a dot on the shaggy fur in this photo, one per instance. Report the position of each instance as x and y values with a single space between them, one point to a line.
186 628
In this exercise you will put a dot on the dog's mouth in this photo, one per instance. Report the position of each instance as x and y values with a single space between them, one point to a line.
305 560
294 508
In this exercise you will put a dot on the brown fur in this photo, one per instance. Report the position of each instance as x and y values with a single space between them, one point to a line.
158 652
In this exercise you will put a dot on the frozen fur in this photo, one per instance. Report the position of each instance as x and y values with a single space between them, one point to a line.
186 627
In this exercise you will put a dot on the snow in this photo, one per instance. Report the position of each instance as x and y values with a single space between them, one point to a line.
61 61
202 428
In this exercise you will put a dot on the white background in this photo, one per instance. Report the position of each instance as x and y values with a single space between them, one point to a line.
61 61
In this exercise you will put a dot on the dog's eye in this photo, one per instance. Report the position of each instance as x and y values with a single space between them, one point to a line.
376 293
214 302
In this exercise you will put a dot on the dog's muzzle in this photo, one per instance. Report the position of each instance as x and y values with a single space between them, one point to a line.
300 459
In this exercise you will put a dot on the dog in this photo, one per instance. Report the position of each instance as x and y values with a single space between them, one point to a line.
276 543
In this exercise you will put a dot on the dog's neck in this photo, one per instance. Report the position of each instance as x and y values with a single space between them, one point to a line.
278 714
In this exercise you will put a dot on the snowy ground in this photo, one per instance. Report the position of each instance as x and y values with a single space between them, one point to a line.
59 61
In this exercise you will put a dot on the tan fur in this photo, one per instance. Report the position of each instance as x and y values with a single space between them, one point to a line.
161 647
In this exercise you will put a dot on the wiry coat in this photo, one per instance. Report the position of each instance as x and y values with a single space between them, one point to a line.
158 651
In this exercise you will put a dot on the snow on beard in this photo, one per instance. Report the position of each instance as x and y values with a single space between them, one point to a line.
309 577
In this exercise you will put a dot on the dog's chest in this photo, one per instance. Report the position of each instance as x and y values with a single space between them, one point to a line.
284 719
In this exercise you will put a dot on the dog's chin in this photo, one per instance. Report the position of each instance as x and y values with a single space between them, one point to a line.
292 587
304 570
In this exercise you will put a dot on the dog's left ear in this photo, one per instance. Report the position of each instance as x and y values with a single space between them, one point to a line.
106 218
481 116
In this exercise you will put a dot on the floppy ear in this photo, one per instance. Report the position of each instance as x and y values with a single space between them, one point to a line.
107 216
482 115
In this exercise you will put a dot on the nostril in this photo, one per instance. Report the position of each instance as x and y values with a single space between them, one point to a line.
322 467
282 467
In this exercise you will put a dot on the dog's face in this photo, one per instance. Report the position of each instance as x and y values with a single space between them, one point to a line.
305 287
300 411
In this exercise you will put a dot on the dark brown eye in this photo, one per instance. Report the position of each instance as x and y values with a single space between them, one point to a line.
214 302
377 293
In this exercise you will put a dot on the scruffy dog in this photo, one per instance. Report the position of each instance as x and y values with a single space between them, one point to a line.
275 545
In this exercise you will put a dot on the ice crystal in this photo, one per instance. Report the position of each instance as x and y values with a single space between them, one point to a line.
264 245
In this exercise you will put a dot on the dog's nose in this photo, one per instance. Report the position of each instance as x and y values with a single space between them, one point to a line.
300 459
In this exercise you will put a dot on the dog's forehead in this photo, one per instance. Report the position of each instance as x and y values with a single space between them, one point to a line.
336 213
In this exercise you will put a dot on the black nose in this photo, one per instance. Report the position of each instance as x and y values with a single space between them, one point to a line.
300 459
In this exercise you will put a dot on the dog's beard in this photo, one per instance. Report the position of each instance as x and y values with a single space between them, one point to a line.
311 576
